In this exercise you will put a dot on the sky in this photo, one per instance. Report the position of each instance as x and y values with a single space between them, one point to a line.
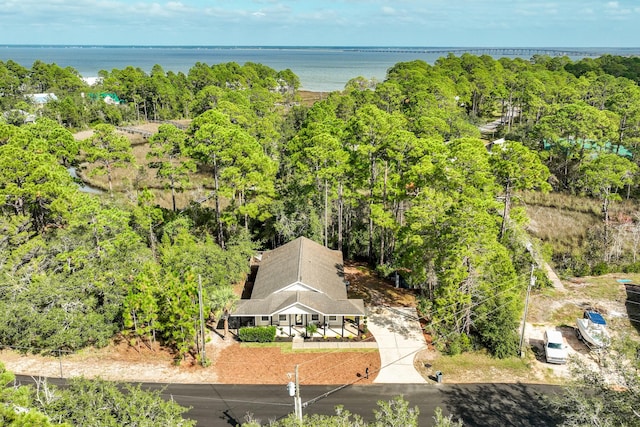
438 23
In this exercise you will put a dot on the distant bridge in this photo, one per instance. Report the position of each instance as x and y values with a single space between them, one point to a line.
494 51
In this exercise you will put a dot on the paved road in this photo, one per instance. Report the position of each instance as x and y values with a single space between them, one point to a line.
477 404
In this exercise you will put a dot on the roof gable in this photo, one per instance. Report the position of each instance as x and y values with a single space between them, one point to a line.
300 287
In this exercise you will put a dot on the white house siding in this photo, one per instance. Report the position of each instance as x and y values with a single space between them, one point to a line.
260 322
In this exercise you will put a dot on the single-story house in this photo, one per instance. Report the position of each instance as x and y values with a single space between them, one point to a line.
298 284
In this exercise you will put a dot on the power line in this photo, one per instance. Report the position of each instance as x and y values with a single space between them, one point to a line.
478 303
473 305
328 393
483 301
238 400
443 308
453 305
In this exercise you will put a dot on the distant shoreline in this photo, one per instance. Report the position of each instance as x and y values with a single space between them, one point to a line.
319 68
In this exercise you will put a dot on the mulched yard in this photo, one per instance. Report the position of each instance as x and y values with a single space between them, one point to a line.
236 364
241 365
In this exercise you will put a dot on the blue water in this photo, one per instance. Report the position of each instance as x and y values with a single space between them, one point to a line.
319 68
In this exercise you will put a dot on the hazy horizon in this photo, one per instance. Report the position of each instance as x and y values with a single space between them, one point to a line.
239 46
508 23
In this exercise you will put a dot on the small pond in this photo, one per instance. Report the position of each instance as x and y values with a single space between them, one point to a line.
82 185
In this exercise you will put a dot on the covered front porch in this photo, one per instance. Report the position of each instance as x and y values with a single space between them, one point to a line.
306 325
347 328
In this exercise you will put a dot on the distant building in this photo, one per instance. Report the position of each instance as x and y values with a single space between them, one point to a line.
591 145
92 80
42 98
17 116
108 97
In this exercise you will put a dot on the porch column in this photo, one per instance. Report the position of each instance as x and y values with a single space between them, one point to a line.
342 335
290 329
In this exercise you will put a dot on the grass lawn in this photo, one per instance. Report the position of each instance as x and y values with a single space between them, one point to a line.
479 360
284 346
480 367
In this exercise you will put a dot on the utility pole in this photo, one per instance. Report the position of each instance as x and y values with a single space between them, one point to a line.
294 391
532 281
203 354
298 401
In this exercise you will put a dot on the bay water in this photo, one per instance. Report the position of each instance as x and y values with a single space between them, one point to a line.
320 69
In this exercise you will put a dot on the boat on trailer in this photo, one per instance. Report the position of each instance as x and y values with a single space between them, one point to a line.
592 330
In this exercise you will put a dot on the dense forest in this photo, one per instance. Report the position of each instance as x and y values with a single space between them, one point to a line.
85 402
395 173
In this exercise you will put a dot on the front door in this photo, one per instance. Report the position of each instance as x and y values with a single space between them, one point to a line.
298 319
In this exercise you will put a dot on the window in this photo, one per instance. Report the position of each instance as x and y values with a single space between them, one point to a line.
315 317
282 317
265 318
333 317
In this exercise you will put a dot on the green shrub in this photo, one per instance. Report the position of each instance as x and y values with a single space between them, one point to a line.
599 269
257 334
542 280
311 328
384 270
581 270
632 268
571 264
459 344
206 363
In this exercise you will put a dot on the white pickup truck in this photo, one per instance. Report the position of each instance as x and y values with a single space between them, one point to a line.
555 350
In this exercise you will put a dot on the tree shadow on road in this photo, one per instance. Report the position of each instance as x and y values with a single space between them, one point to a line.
500 405
403 322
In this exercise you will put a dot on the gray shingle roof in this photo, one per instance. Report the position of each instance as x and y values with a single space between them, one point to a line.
314 301
301 261
300 264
